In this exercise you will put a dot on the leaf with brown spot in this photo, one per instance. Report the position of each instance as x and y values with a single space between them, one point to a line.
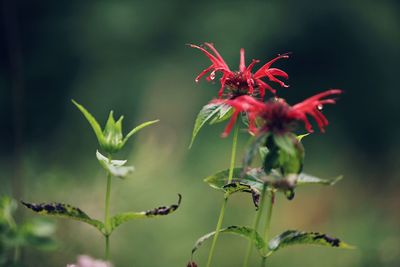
64 211
294 237
117 220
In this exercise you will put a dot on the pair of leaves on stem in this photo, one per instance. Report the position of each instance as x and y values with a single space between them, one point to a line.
74 213
287 238
253 180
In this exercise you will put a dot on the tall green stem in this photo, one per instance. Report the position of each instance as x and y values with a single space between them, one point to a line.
107 216
255 226
224 203
267 224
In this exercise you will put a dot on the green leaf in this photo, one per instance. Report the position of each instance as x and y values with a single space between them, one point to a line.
224 113
220 179
305 179
160 211
242 231
205 114
92 121
294 237
115 167
64 211
241 187
138 128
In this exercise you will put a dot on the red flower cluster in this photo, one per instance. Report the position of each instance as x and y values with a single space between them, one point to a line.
276 115
242 82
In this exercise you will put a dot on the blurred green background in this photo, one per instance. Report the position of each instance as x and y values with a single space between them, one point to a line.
130 56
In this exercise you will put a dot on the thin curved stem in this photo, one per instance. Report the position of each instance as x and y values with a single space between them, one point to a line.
224 203
255 226
267 224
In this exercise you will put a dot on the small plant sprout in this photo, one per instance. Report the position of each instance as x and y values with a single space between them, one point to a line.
272 126
111 140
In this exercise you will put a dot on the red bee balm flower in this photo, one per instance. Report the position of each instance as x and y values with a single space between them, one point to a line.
277 115
242 82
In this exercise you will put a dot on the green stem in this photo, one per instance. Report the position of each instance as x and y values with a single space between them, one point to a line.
255 226
224 203
267 224
107 216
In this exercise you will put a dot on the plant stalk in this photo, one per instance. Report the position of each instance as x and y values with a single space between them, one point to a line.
107 216
268 224
255 226
224 203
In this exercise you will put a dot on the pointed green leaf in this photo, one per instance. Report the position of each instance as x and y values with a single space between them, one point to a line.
138 128
115 167
220 179
224 113
92 121
293 237
64 211
242 231
305 179
160 211
205 114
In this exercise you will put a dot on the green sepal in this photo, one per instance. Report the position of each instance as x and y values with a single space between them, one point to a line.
301 136
208 112
64 211
242 231
294 237
115 167
285 143
118 219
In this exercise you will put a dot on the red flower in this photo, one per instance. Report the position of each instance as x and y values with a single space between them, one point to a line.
277 115
242 82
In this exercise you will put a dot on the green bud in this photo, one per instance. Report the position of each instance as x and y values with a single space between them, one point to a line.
111 139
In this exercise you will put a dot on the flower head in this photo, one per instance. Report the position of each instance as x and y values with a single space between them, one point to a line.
276 115
243 81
